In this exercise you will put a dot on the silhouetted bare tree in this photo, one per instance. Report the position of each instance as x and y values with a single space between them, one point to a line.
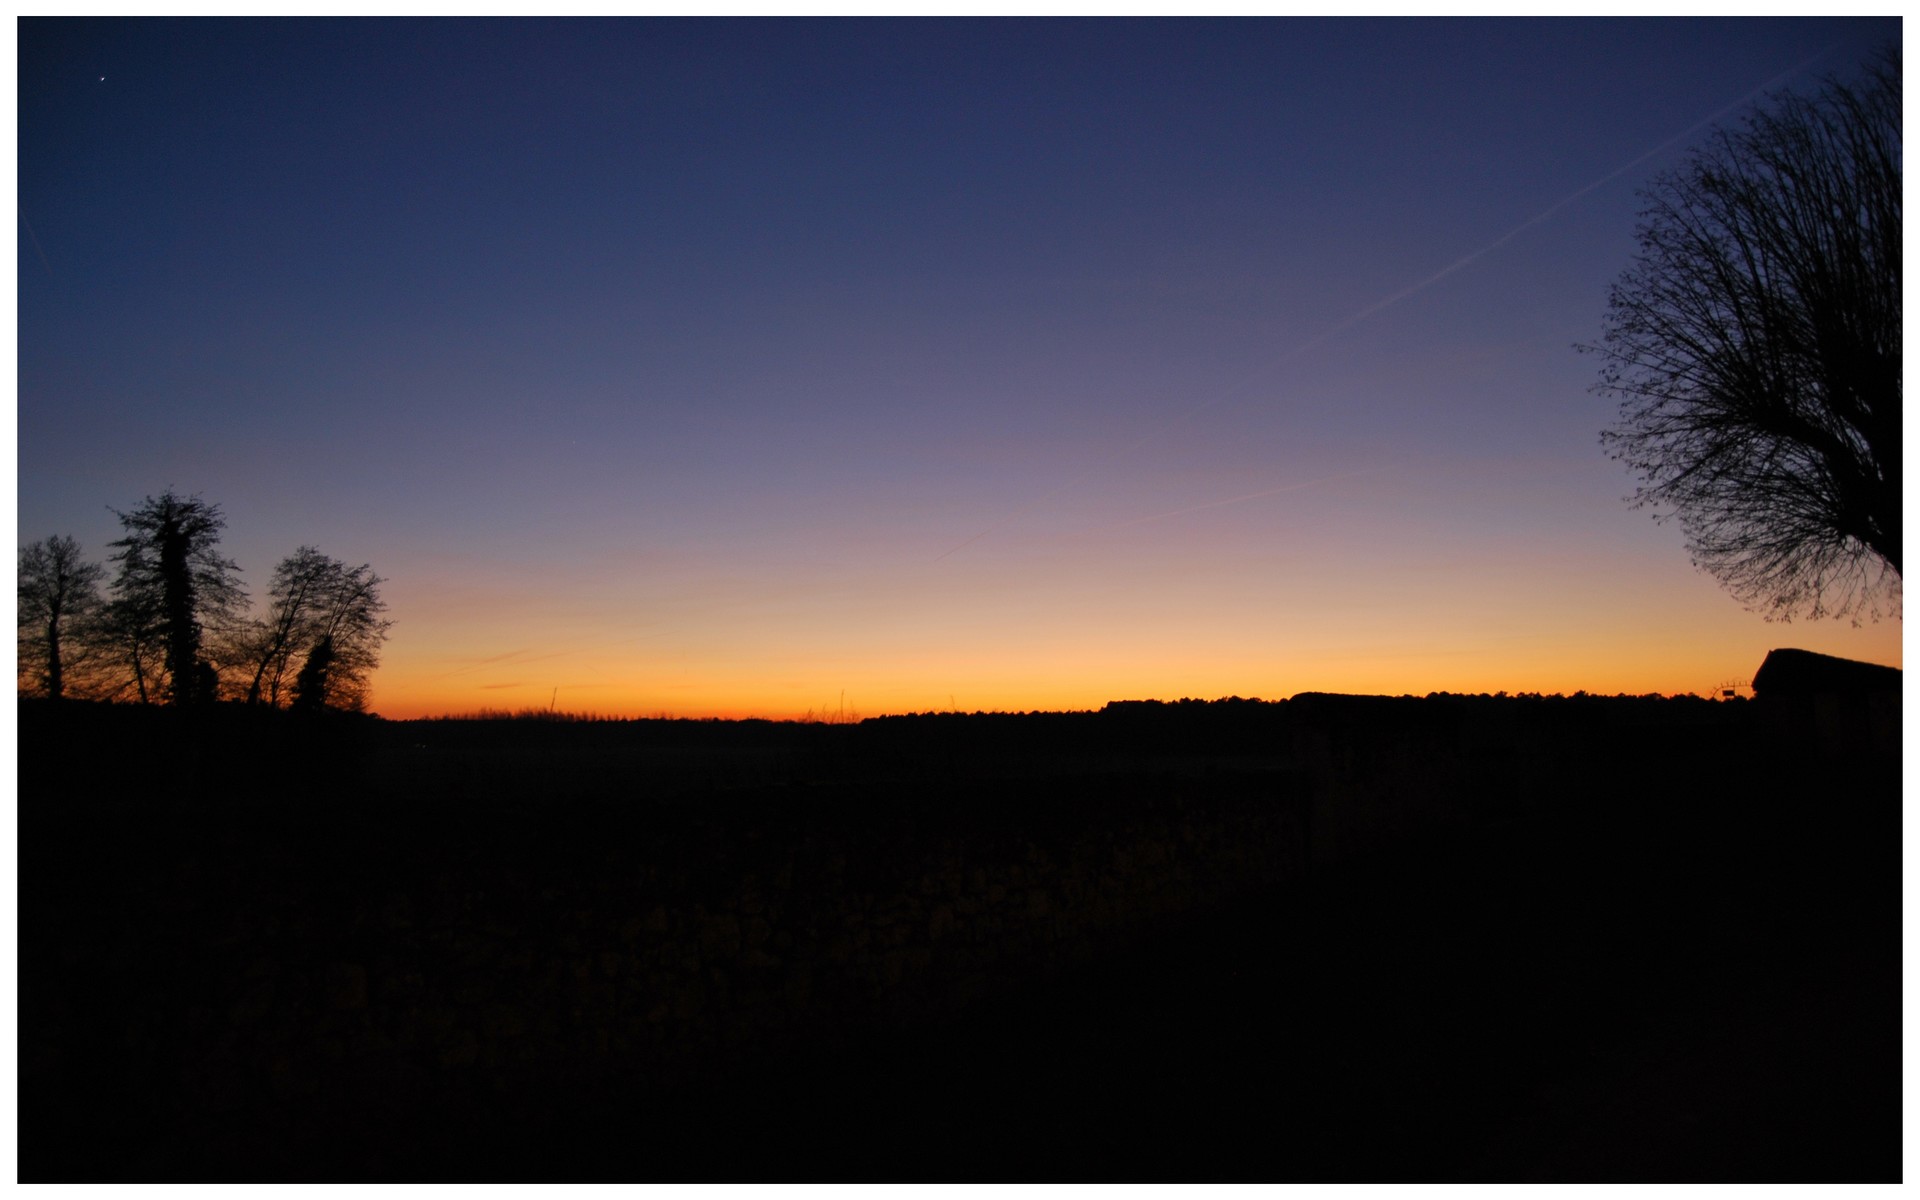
171 586
315 600
59 592
354 630
1755 346
294 602
128 632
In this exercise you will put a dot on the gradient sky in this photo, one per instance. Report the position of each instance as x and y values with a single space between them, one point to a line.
723 367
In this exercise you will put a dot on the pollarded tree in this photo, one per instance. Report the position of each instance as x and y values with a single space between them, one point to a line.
172 586
59 593
1755 346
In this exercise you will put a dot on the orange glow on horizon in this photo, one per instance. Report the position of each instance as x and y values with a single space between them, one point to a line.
1071 684
1451 578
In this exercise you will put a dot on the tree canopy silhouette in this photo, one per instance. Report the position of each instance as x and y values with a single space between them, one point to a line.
317 602
58 592
172 584
176 619
1755 346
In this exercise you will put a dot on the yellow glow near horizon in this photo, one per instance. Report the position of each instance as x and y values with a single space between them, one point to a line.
1403 583
1077 676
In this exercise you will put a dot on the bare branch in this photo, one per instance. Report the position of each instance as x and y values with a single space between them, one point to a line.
1754 344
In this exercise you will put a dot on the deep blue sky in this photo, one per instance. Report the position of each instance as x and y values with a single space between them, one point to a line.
675 356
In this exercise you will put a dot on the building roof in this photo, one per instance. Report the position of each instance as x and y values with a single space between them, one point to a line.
1802 672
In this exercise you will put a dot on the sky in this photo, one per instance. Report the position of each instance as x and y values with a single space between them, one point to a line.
756 367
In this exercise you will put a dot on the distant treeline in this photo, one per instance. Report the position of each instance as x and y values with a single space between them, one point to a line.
175 626
1123 727
1170 709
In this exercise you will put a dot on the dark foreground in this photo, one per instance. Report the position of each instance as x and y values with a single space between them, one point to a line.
1656 948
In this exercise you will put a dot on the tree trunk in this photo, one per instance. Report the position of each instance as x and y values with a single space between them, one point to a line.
183 641
55 681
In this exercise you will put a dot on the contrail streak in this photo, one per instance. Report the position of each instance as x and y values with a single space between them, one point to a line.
1553 208
36 246
1389 301
478 663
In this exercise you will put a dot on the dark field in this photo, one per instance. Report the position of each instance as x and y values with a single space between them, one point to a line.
1331 939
